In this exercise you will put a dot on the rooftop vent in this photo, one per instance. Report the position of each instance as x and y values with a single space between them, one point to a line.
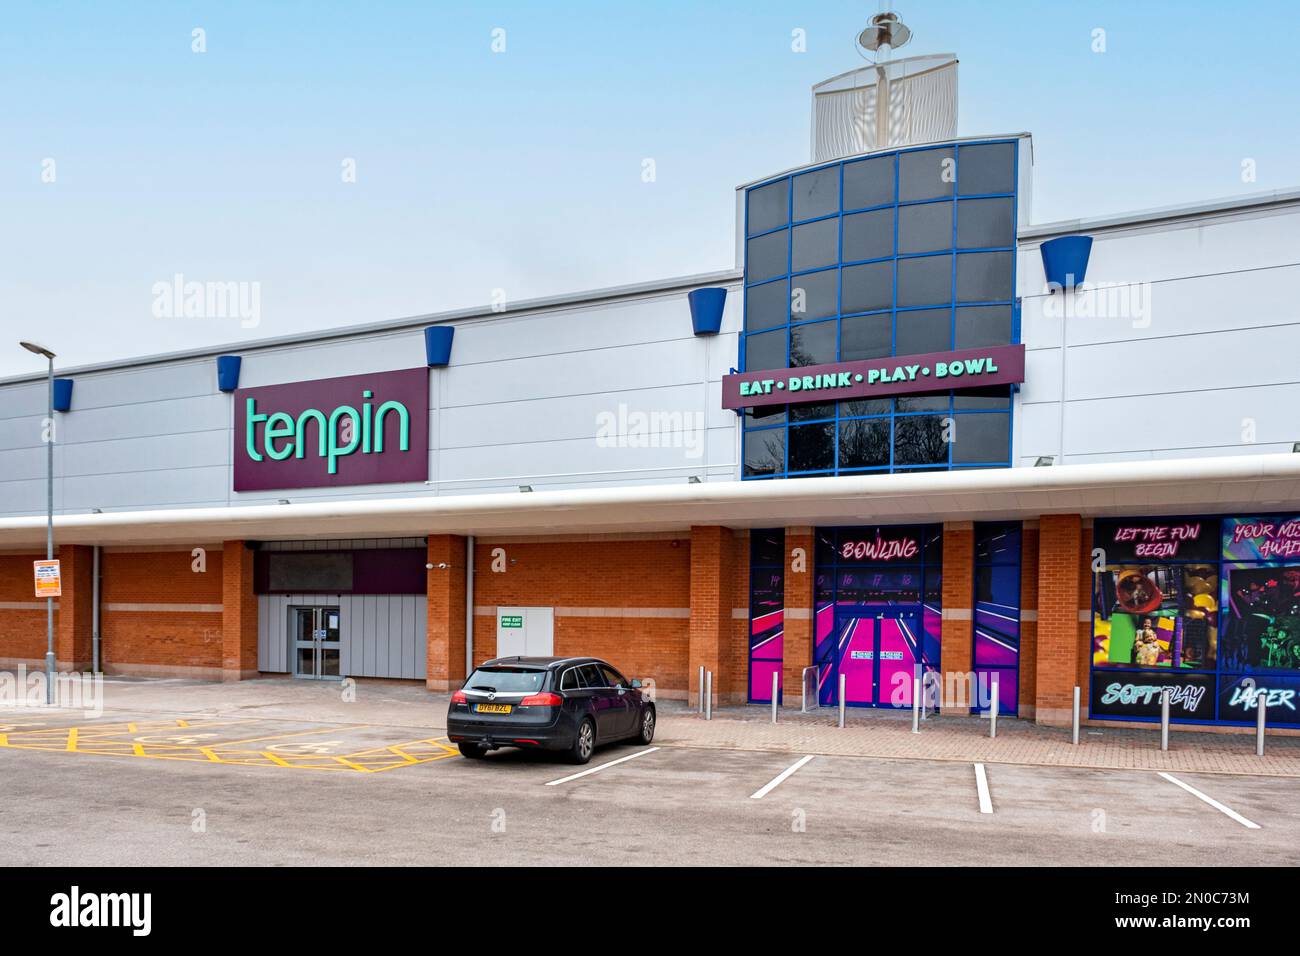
888 103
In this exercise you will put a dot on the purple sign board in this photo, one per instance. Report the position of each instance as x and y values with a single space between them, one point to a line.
354 430
871 378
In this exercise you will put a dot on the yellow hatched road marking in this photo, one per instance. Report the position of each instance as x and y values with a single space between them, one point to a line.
300 733
355 766
98 740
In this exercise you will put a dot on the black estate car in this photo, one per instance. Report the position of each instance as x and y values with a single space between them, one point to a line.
567 704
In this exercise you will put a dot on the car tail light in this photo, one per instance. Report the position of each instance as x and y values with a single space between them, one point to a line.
459 697
542 700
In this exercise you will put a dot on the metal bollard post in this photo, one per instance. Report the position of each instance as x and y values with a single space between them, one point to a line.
708 695
841 700
774 695
993 713
700 690
1076 717
1164 719
1260 718
916 705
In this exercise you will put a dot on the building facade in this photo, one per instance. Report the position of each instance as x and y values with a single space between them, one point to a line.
911 432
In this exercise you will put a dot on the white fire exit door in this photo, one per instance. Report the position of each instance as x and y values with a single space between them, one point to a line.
525 632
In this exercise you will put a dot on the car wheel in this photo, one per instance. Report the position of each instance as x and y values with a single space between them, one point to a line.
584 742
473 751
647 732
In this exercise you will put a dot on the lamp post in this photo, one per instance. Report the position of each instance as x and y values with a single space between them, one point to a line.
49 518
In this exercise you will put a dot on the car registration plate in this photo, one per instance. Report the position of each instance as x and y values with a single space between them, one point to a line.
492 708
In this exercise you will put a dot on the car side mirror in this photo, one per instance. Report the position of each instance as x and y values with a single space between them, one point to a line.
636 684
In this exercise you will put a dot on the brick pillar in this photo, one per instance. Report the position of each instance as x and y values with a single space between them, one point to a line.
713 567
1028 617
798 640
72 620
958 593
738 634
445 658
238 613
1083 660
1060 555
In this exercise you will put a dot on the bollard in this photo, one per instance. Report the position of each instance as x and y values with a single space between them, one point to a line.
916 705
700 690
774 695
1259 723
993 713
1164 719
708 695
1076 717
841 700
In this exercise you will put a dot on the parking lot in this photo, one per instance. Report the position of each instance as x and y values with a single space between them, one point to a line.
213 788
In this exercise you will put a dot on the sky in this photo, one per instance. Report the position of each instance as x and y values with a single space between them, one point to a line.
356 162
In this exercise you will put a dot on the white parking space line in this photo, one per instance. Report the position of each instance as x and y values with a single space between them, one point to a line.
604 766
1212 802
779 778
982 788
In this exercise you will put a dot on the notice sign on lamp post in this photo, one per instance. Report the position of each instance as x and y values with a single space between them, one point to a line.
48 582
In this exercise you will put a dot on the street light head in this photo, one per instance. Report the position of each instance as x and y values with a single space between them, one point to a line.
38 349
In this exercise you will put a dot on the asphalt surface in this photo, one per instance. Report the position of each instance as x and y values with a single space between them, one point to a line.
672 805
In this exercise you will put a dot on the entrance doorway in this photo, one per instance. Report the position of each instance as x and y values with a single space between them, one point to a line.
877 650
317 643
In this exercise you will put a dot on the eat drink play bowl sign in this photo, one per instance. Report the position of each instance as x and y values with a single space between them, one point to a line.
355 430
871 378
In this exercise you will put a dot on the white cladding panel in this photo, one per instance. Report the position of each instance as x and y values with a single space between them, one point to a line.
617 392
1183 345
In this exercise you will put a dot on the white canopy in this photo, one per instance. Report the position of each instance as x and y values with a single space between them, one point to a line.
1238 485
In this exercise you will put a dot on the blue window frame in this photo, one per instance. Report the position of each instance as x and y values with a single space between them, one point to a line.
894 254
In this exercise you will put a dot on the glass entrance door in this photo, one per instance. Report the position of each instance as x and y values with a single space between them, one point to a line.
317 643
877 651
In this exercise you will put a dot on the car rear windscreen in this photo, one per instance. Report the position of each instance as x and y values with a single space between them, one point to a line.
506 680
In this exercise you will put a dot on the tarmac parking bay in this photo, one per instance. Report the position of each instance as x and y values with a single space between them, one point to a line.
64 803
